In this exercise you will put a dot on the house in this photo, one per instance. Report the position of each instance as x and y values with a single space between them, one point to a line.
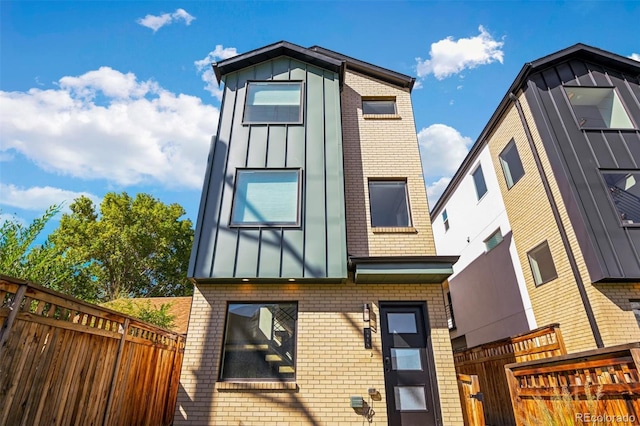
318 293
544 211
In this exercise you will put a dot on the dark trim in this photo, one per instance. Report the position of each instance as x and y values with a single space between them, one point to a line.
578 51
356 260
558 220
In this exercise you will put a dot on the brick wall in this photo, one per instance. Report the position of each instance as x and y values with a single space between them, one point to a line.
331 363
382 148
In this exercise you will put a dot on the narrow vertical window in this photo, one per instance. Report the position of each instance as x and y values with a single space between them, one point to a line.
635 307
542 266
389 204
511 164
478 180
445 220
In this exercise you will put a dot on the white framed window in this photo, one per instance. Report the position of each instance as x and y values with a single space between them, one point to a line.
623 187
273 102
511 164
266 197
480 184
493 240
542 266
389 203
598 108
260 342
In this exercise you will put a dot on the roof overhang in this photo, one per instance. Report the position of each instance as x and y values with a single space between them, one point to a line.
402 269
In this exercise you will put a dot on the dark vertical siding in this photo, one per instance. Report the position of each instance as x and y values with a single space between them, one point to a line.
610 250
318 248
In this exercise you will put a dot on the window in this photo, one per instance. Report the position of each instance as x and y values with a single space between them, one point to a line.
478 180
511 164
542 265
493 240
451 320
635 307
624 189
266 198
379 106
598 108
445 220
273 102
259 341
389 204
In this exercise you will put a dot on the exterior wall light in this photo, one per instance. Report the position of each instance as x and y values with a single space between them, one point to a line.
366 313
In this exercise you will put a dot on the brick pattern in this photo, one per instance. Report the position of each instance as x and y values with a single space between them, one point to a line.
332 363
532 222
381 148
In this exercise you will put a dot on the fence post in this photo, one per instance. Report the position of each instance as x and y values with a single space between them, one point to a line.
14 307
116 367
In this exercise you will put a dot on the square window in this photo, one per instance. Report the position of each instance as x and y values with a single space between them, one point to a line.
379 106
542 265
635 307
493 240
389 204
273 102
266 197
511 164
260 341
478 180
445 220
624 190
598 108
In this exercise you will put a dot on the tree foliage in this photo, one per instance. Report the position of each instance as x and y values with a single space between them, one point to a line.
132 247
144 310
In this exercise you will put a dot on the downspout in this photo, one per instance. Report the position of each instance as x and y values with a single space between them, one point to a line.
563 233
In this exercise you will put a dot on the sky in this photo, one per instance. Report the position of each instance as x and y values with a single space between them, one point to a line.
119 96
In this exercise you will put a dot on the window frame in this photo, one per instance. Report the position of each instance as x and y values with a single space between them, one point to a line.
612 202
220 377
616 95
407 200
445 220
296 224
530 253
512 144
274 82
393 99
487 249
635 309
475 182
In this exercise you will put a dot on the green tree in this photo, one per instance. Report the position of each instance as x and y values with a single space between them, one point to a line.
20 257
132 247
144 310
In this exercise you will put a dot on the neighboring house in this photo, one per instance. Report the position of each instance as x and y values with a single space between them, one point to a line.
545 210
314 264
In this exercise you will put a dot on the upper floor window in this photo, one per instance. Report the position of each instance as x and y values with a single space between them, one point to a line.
266 197
541 263
511 164
624 189
635 307
278 102
598 108
445 220
478 180
493 240
259 341
379 106
389 204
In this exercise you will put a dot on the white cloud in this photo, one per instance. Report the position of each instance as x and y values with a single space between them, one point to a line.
138 132
449 56
442 149
39 197
204 67
156 22
435 189
635 56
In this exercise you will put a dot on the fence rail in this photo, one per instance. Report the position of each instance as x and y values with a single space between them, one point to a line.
488 361
64 361
600 386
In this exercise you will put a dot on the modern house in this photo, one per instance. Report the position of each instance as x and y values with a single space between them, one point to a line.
544 211
318 293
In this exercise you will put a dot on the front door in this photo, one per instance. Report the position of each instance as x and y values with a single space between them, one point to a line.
408 365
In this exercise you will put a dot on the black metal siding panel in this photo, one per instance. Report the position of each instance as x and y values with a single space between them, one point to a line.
610 250
236 252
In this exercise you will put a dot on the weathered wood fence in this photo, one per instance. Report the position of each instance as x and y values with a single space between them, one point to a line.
64 361
600 387
472 410
487 362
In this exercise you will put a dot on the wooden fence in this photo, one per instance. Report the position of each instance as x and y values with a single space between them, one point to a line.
472 410
64 361
599 387
487 362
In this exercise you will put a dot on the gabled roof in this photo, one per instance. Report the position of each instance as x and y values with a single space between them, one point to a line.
577 51
315 55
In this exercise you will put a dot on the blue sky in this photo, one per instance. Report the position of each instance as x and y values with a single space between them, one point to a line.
118 96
